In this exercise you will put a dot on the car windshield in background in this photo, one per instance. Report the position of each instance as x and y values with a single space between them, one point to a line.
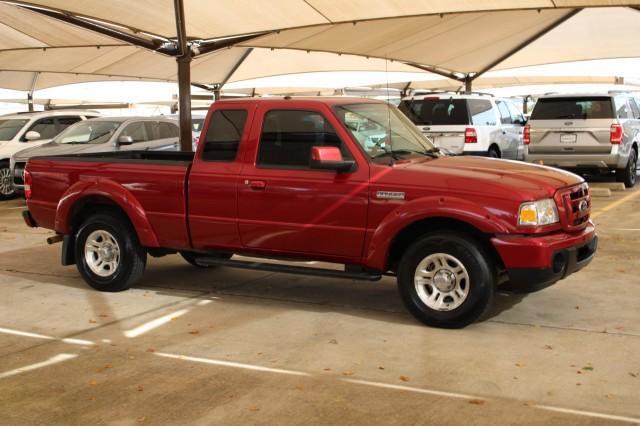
196 124
436 111
582 108
88 132
10 128
381 130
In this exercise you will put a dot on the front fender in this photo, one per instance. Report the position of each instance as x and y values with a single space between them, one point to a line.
112 191
424 208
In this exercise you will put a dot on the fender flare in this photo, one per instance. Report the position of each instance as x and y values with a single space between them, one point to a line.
114 192
424 208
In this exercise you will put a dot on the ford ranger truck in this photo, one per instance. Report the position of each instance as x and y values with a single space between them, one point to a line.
341 180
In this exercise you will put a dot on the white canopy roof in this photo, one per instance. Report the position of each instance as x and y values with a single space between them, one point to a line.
453 37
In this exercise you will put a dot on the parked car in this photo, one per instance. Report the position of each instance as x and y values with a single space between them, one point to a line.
103 135
298 179
470 124
30 129
586 133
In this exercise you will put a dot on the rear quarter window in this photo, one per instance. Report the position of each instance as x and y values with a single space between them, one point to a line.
582 108
436 111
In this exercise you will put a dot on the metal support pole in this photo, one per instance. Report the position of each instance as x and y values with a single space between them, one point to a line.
32 89
468 84
216 92
30 101
525 104
184 79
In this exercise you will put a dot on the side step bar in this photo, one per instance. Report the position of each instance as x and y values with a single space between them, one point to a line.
288 269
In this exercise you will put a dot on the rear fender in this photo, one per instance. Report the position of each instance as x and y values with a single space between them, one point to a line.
425 208
112 191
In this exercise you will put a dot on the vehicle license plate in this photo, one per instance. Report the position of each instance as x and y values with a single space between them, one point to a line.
570 138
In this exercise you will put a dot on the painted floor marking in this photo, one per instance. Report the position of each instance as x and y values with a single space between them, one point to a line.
42 336
148 326
615 204
233 364
53 360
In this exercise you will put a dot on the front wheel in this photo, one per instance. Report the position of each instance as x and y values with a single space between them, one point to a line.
7 190
628 175
108 254
446 280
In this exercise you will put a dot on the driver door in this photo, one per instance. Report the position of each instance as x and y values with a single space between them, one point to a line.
285 205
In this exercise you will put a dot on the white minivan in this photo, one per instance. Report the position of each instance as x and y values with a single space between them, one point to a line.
470 124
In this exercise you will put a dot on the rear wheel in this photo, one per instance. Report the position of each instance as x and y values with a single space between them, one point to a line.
445 280
191 257
628 175
7 190
494 152
108 254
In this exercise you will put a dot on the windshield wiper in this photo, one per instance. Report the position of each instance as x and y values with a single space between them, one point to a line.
429 153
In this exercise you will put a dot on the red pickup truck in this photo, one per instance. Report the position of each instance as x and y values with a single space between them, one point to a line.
344 180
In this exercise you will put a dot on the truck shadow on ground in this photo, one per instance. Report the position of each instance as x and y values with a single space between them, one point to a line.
173 277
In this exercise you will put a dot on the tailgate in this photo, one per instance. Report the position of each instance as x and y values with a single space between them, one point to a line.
570 136
448 137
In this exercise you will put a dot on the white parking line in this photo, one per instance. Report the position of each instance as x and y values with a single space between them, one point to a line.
53 360
589 414
412 389
42 336
395 387
135 332
222 363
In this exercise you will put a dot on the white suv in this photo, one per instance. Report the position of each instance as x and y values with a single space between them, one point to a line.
470 124
27 130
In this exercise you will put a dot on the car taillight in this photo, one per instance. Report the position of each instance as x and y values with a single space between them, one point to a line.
470 135
526 135
27 185
615 136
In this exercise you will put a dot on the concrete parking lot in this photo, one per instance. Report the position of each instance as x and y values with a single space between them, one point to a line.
203 346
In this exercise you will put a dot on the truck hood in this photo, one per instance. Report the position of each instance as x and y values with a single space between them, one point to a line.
503 178
52 148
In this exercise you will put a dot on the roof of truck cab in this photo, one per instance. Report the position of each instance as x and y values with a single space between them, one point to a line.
582 95
326 100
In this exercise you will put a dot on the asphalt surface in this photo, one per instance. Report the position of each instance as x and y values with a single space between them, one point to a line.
204 346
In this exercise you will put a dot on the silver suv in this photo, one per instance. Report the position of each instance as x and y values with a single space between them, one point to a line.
586 133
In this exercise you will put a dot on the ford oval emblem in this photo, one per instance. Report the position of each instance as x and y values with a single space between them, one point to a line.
583 206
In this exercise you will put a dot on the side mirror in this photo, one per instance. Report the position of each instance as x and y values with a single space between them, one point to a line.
32 136
125 140
329 158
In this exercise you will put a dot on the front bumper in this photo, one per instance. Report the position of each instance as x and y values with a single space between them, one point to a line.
547 259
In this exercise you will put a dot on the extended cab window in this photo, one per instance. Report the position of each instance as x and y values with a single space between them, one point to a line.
223 135
288 136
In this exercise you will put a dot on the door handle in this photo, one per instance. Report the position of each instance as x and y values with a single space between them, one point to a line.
258 185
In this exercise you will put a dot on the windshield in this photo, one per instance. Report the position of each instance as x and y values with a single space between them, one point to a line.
381 129
10 128
88 132
437 112
573 108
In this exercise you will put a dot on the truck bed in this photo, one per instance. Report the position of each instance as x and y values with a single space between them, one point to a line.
150 181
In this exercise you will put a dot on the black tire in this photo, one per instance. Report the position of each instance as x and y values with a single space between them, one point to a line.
7 191
132 259
494 152
628 175
191 257
481 283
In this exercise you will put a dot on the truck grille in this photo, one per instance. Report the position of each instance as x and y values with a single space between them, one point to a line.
18 174
576 206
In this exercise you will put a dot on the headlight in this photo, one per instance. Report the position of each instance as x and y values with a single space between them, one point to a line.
538 213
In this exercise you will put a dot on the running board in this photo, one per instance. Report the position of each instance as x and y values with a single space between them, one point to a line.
288 269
